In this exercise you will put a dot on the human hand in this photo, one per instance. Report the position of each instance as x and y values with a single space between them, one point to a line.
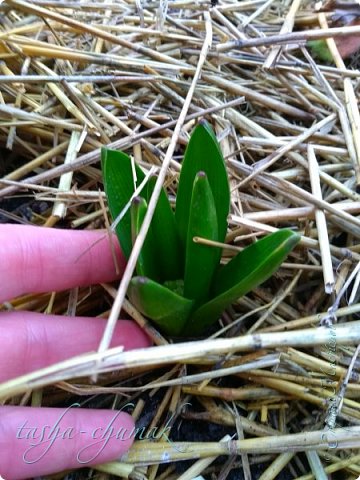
35 259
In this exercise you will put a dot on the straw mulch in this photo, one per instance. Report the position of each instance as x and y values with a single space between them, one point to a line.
278 381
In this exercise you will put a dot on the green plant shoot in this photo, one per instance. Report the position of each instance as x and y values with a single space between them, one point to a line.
179 283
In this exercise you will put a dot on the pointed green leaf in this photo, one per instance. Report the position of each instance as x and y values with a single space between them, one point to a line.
201 260
251 267
203 154
146 265
169 254
119 187
167 309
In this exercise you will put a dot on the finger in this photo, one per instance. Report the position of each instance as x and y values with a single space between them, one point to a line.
40 441
43 340
36 259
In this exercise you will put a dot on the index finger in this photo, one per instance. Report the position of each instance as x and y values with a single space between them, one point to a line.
37 259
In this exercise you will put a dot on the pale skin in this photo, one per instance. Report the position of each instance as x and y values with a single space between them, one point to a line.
34 260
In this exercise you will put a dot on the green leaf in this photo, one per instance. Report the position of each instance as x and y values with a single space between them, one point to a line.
320 50
167 309
251 267
201 260
203 154
146 264
169 253
119 187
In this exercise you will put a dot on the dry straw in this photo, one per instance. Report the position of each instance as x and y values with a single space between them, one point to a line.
136 76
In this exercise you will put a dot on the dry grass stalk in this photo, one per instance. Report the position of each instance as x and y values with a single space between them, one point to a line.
321 223
277 466
144 452
286 28
290 38
73 70
115 358
59 208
